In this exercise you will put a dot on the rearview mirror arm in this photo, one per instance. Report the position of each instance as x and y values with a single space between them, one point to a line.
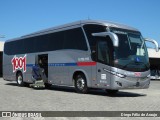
112 35
154 42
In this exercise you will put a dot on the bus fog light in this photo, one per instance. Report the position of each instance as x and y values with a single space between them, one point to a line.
119 83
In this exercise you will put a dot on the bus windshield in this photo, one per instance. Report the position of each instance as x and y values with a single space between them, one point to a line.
131 54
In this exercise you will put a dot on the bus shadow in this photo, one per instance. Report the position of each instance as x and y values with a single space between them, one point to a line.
91 91
11 84
98 92
119 94
15 84
63 89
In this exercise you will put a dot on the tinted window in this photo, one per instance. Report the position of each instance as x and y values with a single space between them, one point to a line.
18 47
89 29
41 43
15 47
29 45
74 39
55 41
104 50
8 48
69 39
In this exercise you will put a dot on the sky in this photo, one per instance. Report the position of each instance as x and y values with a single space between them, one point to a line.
21 17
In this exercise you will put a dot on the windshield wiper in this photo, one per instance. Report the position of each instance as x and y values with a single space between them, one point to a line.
136 63
128 64
143 64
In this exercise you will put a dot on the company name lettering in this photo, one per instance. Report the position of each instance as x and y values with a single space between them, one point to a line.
19 63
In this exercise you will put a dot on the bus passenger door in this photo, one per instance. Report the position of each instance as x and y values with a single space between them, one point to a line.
42 61
103 61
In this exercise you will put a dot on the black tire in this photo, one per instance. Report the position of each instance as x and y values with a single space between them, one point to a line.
81 84
19 79
111 92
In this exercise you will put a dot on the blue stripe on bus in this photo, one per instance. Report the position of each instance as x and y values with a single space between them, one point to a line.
30 65
55 64
62 64
67 64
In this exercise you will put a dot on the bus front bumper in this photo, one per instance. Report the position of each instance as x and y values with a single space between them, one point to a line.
130 83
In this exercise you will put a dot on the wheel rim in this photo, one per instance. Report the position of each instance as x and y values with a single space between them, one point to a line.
19 79
80 83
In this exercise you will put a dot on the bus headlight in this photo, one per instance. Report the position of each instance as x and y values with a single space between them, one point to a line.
115 73
121 75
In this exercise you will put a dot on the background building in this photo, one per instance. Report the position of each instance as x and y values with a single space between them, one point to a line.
154 59
1 56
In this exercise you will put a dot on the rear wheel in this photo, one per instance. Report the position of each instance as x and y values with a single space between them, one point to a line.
81 84
19 79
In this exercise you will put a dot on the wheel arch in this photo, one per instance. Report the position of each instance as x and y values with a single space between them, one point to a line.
19 71
80 71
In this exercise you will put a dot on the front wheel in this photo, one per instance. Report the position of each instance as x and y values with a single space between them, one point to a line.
81 84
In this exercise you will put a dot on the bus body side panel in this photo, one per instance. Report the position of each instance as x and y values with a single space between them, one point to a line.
59 63
83 64
8 68
30 62
14 63
57 71
63 64
94 77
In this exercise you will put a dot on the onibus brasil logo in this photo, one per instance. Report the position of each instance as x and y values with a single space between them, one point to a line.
19 63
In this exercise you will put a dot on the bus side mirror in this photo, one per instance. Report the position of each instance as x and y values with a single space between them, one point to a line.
112 35
154 42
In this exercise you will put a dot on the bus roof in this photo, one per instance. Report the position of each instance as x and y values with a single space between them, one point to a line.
81 22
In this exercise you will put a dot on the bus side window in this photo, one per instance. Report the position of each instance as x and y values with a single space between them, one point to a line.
103 52
93 53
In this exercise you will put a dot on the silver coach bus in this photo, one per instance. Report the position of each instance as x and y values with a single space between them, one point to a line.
84 54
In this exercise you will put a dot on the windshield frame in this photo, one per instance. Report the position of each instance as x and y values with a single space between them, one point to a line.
136 66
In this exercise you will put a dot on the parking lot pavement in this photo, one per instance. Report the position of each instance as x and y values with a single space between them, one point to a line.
14 98
17 98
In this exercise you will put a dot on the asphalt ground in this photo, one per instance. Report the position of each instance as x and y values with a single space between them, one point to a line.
14 98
